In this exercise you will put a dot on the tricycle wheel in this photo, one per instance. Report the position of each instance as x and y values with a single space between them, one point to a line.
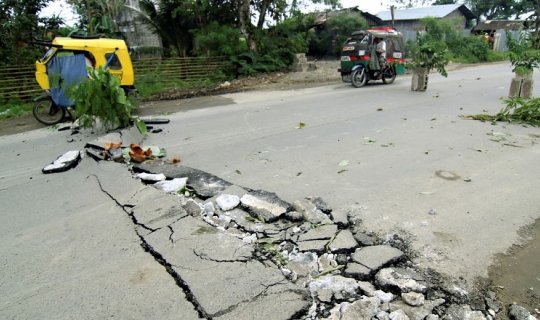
388 75
359 77
46 112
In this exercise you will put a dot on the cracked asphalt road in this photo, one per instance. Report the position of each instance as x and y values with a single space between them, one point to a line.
71 248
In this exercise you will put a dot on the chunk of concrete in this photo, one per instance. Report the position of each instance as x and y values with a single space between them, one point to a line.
318 246
416 313
227 202
324 232
64 162
398 278
266 206
171 186
364 308
310 212
205 185
517 312
414 299
343 242
341 288
340 217
398 315
375 257
357 271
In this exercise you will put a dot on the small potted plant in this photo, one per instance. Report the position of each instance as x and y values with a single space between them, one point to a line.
524 60
426 55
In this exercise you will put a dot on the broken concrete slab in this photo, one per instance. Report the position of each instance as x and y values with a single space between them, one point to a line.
341 288
265 206
193 208
340 218
318 246
203 257
414 299
343 242
158 211
458 312
398 315
363 239
235 191
320 204
283 302
324 232
416 313
245 221
364 308
358 271
171 186
375 257
517 312
205 185
303 264
401 279
151 177
64 162
310 212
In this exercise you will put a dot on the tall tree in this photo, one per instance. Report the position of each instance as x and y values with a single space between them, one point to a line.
20 24
500 9
99 16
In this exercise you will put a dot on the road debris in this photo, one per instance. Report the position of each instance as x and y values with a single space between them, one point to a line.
64 162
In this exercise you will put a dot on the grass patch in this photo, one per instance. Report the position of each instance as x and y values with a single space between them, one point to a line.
155 83
12 109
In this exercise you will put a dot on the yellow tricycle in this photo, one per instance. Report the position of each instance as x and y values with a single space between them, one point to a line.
65 64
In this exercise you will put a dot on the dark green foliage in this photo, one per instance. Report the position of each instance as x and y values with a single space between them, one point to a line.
430 54
20 24
470 49
328 39
100 96
219 40
522 55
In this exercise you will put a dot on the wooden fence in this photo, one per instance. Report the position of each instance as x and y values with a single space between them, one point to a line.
18 83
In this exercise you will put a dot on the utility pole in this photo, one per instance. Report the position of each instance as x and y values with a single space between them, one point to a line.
392 8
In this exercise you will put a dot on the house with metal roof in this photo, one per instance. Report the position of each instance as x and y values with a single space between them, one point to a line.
409 19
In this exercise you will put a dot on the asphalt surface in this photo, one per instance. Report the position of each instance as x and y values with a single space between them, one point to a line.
390 155
407 153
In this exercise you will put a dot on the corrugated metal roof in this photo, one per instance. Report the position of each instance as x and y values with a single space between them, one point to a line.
439 11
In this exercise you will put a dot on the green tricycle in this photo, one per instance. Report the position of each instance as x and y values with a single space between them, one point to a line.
360 61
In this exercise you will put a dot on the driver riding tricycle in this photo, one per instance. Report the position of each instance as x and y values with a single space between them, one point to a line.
373 54
65 65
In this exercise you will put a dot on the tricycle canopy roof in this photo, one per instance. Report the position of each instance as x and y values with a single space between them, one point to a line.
81 43
380 32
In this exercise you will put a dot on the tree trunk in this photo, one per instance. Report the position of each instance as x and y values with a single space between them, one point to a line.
245 23
262 15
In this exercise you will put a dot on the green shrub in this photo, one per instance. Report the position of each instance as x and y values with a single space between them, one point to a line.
470 49
219 40
101 97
